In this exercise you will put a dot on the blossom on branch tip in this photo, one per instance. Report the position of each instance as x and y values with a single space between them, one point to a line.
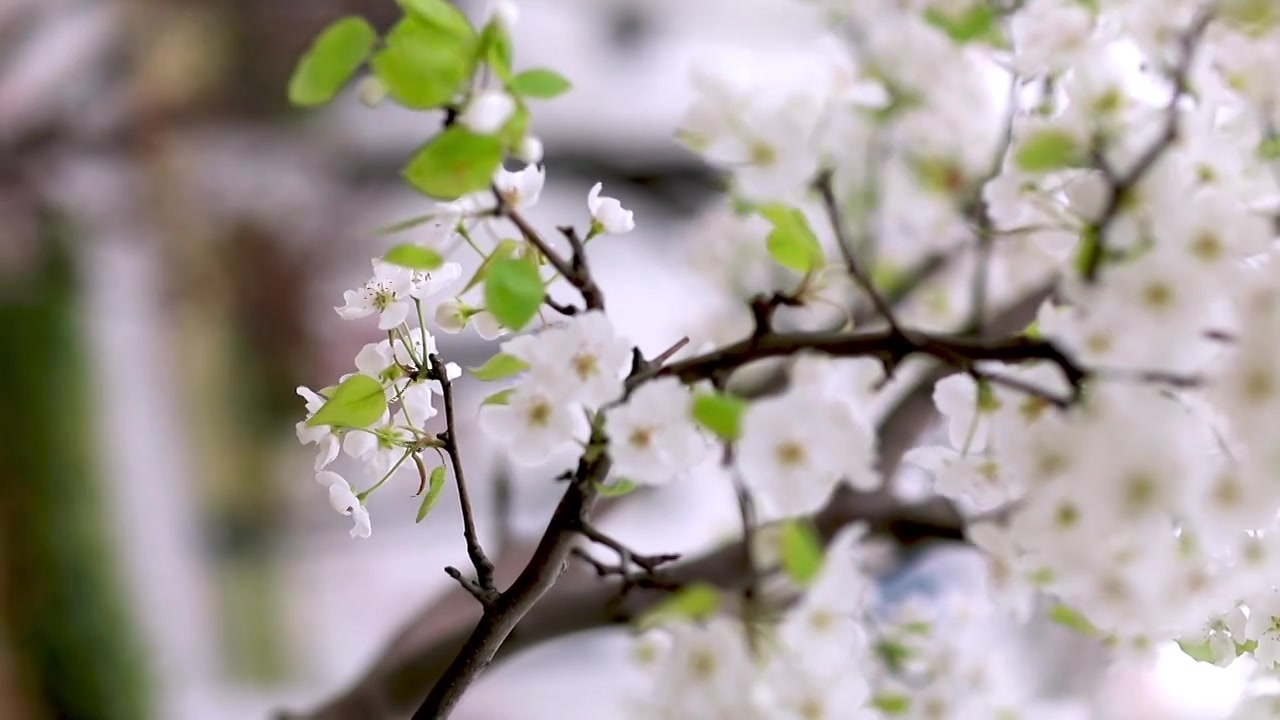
607 214
342 499
520 189
391 291
487 112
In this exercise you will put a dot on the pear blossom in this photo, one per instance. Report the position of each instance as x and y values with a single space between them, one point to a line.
583 360
345 502
795 448
387 294
487 326
520 189
326 437
534 424
504 12
530 150
451 316
653 437
607 214
487 111
381 445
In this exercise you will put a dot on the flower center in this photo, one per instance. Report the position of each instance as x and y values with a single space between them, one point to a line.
585 366
641 438
539 414
790 454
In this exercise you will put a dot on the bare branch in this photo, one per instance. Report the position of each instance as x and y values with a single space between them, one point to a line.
846 250
484 589
1123 184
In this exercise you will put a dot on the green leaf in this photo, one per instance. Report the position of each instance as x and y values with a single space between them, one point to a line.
1269 148
513 291
424 65
331 61
502 397
440 14
1073 620
498 367
1047 150
357 402
891 704
436 484
697 602
495 50
539 83
893 654
980 21
1198 651
455 163
623 486
721 414
801 551
792 242
505 249
414 257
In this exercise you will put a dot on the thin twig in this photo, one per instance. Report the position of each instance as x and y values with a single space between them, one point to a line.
1123 184
484 567
751 615
824 185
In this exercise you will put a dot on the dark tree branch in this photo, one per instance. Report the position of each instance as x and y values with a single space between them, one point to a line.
1122 185
483 588
846 250
418 658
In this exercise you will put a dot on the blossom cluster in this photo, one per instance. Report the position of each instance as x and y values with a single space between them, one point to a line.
1094 179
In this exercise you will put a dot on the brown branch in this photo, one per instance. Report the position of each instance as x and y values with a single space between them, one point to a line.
1123 184
395 685
483 587
888 345
846 250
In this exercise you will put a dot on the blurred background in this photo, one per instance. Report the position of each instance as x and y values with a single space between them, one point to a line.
172 239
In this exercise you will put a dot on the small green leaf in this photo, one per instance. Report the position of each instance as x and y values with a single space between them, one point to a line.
331 61
439 14
801 551
513 291
424 65
502 397
539 83
414 257
495 50
697 602
436 484
1198 651
891 704
1073 620
455 163
357 402
893 654
505 249
499 367
621 487
792 242
721 414
1047 150
980 21
1269 148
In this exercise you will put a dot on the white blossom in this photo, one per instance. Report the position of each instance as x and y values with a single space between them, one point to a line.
345 502
652 435
487 112
608 214
327 439
520 189
534 424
